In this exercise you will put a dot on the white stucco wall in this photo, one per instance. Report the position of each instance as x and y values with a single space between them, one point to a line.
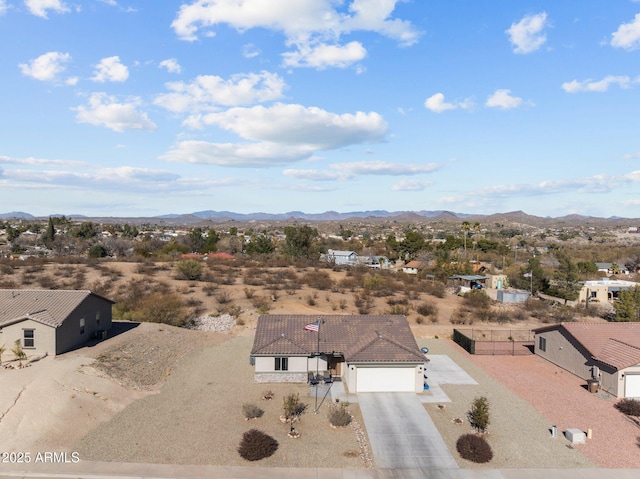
44 338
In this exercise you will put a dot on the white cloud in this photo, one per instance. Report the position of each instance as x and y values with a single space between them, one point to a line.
207 92
598 86
437 104
103 110
38 161
278 135
503 99
632 156
3 6
411 185
46 67
527 35
627 35
110 69
40 7
314 27
322 55
171 65
345 171
293 124
250 51
240 155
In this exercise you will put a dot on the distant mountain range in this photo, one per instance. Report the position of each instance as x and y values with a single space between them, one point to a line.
401 216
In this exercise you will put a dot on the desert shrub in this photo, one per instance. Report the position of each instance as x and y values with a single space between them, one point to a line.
261 303
318 280
427 309
630 407
161 308
392 301
256 445
477 299
146 267
503 317
249 292
209 289
189 269
436 289
343 304
223 297
461 316
474 448
339 417
398 309
47 282
311 301
479 414
563 313
251 411
419 320
364 303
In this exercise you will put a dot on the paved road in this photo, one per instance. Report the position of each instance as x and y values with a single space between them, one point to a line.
401 433
114 470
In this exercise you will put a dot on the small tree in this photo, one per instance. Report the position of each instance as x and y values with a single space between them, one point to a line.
251 411
293 408
3 348
474 448
479 414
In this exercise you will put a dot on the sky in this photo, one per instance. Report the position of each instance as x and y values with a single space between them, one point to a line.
145 108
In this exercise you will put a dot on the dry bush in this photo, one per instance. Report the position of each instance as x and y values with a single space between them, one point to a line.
630 407
189 269
364 303
474 448
251 411
209 289
256 445
461 316
398 310
161 308
47 282
392 301
249 293
254 277
318 279
146 267
223 297
351 284
339 417
435 289
427 309
262 304
477 299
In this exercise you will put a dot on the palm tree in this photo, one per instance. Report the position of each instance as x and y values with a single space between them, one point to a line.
466 226
3 348
476 228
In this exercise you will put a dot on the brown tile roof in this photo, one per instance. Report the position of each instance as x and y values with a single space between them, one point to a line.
50 307
357 338
615 344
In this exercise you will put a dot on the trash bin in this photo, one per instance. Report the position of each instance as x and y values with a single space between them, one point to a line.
593 385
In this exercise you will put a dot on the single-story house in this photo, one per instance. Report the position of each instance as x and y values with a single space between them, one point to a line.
52 321
611 268
412 267
341 257
608 353
367 353
604 290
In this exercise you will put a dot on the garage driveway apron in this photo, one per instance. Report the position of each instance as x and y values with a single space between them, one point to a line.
401 433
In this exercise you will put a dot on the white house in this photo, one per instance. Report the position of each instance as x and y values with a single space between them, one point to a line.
367 353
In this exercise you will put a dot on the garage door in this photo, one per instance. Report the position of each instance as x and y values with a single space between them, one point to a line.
632 386
385 380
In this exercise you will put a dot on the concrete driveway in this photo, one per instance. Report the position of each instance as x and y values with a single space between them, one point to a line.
401 433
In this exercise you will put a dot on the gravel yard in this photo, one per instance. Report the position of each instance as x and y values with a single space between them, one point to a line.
196 418
518 433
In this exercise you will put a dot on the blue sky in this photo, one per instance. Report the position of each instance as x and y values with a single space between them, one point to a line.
127 108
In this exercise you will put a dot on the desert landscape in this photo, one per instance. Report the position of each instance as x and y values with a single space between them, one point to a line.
158 393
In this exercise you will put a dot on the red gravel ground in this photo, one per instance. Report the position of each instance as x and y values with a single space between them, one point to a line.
563 399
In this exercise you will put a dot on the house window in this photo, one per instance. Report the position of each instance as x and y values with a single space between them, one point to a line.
81 326
28 338
97 318
542 343
282 364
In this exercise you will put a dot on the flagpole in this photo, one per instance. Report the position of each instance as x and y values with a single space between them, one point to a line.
315 411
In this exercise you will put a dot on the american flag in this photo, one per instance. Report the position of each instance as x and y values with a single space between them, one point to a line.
315 326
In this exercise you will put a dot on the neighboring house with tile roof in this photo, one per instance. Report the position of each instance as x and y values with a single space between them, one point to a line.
368 353
52 321
606 352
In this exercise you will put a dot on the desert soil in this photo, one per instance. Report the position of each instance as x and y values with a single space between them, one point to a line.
161 394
